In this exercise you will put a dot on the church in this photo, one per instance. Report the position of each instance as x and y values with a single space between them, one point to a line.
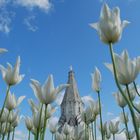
72 105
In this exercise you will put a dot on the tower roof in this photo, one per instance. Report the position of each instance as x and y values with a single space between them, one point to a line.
71 92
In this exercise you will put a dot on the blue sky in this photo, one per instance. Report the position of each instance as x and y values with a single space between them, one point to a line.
52 35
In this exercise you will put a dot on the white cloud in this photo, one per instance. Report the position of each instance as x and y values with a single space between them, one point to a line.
116 119
5 20
87 99
29 22
110 114
6 16
31 4
4 2
121 136
20 135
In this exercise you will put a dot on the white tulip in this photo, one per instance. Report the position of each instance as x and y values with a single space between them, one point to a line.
16 122
53 125
29 123
110 26
120 100
88 116
104 127
12 102
127 70
67 129
4 116
132 92
131 134
108 134
37 121
114 127
96 79
78 132
96 108
13 116
59 136
46 93
11 75
3 128
50 111
86 133
124 119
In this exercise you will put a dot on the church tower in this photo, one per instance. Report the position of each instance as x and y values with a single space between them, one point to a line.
71 106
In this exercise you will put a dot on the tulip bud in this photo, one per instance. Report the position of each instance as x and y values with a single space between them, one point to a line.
53 125
4 116
120 100
29 123
96 79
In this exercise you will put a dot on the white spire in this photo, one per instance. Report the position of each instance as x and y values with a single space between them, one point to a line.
71 69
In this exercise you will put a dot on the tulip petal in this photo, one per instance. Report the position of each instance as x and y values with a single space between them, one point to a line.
3 71
48 87
61 87
35 85
95 26
20 99
110 67
33 106
125 23
2 50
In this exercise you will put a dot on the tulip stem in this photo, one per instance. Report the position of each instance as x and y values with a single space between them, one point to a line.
126 126
92 131
13 135
45 122
9 133
121 131
37 136
3 136
8 89
100 109
52 136
113 136
85 124
95 128
121 91
29 135
135 86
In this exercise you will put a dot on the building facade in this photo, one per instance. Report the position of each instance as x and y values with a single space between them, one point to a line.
72 105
